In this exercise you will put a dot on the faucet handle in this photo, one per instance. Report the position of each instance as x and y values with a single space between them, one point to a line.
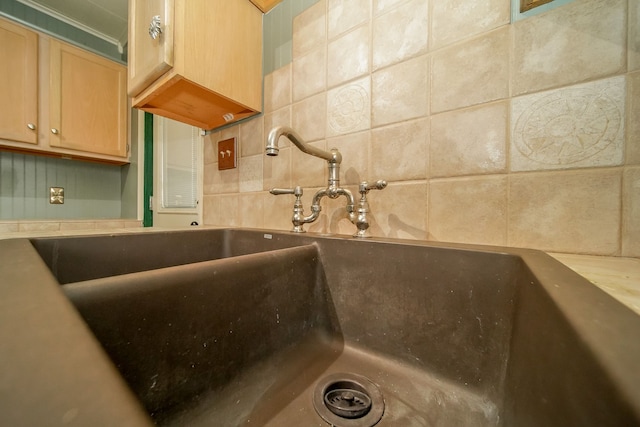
298 211
362 220
279 191
365 187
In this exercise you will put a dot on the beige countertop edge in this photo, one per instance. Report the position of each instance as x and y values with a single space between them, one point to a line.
87 232
619 277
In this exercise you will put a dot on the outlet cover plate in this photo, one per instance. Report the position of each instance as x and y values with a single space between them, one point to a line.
56 195
227 154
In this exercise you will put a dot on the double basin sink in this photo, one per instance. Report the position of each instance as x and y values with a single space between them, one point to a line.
238 327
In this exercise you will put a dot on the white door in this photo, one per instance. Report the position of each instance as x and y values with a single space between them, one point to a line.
177 188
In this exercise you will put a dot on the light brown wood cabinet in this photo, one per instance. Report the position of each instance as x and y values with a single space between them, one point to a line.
87 101
59 100
18 83
204 67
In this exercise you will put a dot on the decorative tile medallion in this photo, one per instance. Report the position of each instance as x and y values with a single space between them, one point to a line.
578 126
349 109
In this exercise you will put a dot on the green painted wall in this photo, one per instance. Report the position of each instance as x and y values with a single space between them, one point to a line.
278 33
91 190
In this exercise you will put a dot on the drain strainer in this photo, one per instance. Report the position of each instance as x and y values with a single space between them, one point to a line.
348 400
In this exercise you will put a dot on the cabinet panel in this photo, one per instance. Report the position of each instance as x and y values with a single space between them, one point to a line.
149 58
87 102
19 83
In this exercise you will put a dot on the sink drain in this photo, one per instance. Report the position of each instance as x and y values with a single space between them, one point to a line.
348 400
347 403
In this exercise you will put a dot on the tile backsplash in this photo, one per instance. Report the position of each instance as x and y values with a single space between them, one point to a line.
523 134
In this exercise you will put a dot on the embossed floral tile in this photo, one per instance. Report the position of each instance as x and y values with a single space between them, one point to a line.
572 127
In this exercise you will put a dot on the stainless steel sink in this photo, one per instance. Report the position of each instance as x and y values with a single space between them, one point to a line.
241 327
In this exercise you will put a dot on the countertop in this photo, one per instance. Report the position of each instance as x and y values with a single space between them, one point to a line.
619 277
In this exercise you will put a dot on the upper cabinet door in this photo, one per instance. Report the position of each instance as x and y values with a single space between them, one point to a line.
150 42
87 102
19 83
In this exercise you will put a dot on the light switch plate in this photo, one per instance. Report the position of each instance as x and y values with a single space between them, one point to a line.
227 154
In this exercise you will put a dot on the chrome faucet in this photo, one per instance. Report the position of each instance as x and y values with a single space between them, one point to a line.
333 190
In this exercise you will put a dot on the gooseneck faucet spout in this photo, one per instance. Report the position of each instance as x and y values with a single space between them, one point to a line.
332 156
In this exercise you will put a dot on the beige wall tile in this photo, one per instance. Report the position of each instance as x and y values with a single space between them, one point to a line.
307 170
355 157
310 73
110 224
309 117
221 210
471 73
348 56
210 152
471 141
571 127
631 213
582 40
399 211
469 210
381 6
465 84
455 20
9 226
278 211
400 92
251 207
343 15
349 108
633 119
250 171
309 29
230 132
252 139
634 35
39 226
277 170
78 225
220 181
400 34
574 212
400 152
208 207
277 89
